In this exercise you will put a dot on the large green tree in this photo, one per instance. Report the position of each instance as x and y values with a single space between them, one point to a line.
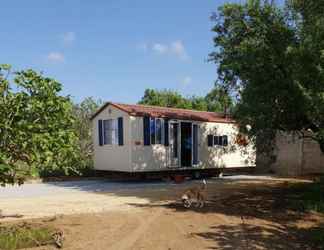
36 125
272 59
83 129
217 100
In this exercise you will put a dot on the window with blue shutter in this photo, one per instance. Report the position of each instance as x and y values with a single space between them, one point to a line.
146 130
100 135
221 140
120 131
210 139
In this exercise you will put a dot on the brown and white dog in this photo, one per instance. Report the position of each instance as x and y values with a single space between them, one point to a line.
195 194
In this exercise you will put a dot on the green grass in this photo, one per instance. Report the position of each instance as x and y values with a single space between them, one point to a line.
309 197
318 236
23 236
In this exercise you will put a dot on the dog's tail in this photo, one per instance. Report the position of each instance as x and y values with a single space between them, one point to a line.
204 184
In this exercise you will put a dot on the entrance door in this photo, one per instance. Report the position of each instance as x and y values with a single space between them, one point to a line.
195 138
174 144
186 144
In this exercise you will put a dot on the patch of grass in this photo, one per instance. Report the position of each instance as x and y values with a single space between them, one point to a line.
309 197
317 236
24 235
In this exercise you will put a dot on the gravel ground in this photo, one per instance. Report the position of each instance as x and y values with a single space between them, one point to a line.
242 212
93 196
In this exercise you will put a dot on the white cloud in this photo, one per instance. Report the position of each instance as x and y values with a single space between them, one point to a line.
179 50
175 48
160 48
55 57
186 81
68 38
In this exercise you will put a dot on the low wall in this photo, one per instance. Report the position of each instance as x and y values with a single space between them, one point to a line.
293 156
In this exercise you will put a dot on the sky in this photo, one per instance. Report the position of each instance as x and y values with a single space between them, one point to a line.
112 49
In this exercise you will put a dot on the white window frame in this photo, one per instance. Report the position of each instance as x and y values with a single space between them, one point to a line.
155 132
114 132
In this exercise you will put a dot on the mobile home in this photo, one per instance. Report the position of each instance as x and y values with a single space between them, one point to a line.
141 138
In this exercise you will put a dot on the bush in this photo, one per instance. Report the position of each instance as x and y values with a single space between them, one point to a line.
24 236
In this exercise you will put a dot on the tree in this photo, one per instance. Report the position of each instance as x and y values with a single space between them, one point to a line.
36 125
272 59
164 98
218 100
83 129
215 101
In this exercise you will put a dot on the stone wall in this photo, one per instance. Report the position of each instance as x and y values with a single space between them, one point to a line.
293 156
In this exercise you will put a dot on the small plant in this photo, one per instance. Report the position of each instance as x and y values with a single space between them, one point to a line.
24 236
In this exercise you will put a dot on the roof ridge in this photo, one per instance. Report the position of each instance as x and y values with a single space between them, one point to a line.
163 107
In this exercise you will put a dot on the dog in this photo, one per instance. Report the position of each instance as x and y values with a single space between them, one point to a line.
195 194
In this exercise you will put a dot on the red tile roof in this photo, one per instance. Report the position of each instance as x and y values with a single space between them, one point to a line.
165 112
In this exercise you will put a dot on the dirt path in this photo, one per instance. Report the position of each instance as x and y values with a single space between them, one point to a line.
240 214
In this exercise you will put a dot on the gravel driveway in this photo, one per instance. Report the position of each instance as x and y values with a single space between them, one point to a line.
93 196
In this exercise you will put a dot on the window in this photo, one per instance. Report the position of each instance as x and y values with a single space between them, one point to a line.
225 140
217 140
110 132
156 131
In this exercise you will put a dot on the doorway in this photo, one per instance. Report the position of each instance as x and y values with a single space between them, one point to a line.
186 144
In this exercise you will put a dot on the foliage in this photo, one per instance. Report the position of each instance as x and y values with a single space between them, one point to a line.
310 196
272 59
83 129
164 98
36 126
215 101
218 99
24 236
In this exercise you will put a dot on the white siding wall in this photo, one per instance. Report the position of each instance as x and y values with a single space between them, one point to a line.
232 156
145 158
156 157
112 157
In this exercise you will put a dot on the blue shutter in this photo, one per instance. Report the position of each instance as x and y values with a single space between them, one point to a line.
166 132
210 140
146 130
100 132
120 131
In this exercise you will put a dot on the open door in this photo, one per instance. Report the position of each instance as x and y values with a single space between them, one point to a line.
186 144
174 144
195 145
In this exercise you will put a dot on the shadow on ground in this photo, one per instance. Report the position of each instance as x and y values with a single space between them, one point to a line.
267 215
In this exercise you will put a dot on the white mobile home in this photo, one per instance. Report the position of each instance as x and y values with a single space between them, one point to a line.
140 138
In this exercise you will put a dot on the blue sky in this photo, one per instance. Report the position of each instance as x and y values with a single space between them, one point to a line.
112 49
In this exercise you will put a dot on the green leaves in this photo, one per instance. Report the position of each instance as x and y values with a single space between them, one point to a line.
36 126
271 59
217 100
